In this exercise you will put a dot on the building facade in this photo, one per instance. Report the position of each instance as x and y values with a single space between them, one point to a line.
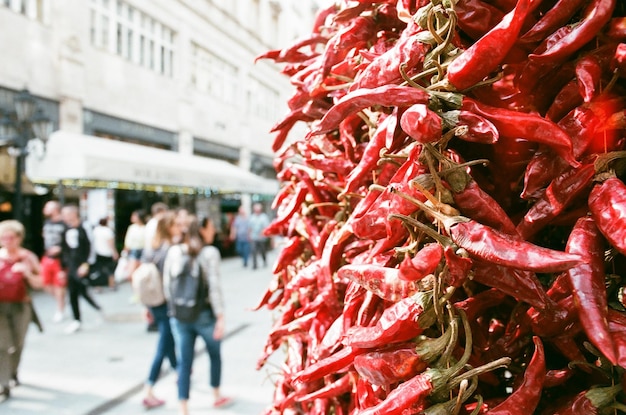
176 75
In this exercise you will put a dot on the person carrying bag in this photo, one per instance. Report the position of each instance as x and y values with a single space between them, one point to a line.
193 289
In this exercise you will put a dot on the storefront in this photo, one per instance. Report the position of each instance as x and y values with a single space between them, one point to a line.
112 178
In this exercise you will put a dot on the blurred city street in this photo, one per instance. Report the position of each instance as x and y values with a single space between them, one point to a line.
101 369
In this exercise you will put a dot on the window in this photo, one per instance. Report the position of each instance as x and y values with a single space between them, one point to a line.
214 75
33 9
262 99
134 35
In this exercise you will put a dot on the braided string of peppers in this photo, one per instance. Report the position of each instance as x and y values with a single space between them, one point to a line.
454 217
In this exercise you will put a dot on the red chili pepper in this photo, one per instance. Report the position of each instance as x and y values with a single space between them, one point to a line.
292 250
589 75
587 402
358 31
557 377
371 154
566 100
618 63
399 363
588 288
531 127
287 210
617 327
386 95
478 205
557 197
607 204
524 400
332 390
477 17
521 285
399 322
558 15
459 266
477 304
425 262
382 281
421 124
500 249
479 129
332 364
411 395
555 321
617 28
373 223
409 51
597 14
483 57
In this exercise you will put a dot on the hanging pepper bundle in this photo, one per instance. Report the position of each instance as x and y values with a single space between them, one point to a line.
455 215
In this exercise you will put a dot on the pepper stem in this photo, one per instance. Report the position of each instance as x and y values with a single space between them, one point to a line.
488 367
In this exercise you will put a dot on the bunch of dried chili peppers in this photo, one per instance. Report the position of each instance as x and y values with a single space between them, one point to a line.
454 218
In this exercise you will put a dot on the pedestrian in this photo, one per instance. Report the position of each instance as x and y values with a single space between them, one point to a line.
135 239
75 256
196 247
19 270
52 273
106 253
240 233
258 222
157 210
166 229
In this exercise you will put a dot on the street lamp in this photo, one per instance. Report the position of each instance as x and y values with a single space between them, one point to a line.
23 130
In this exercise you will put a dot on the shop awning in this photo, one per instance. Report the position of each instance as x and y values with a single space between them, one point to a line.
74 157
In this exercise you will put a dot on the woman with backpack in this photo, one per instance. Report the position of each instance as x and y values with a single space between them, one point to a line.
192 281
167 229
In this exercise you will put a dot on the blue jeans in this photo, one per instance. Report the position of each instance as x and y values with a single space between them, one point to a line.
165 344
185 338
243 249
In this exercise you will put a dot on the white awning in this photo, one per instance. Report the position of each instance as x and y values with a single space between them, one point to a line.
71 156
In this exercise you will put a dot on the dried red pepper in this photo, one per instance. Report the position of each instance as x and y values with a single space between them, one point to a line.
607 204
484 56
587 282
597 14
526 397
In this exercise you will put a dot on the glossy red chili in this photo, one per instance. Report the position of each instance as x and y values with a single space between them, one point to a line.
385 282
525 398
425 262
484 56
532 127
558 15
607 204
557 197
386 95
399 322
597 14
588 285
421 124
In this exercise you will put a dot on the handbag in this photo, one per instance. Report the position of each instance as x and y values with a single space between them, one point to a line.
122 273
12 284
148 285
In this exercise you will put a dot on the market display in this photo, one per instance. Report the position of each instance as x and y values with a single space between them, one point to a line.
454 216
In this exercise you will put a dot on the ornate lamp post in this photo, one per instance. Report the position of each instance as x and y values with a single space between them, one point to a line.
24 130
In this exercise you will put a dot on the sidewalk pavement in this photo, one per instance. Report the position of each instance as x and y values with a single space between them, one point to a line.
101 368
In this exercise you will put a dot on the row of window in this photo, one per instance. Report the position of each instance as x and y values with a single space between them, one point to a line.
132 34
33 9
119 28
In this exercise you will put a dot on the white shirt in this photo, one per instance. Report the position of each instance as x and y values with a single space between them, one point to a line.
102 237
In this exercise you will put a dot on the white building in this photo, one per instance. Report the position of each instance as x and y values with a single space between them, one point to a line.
177 75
